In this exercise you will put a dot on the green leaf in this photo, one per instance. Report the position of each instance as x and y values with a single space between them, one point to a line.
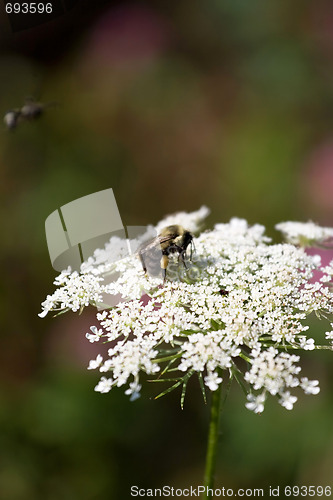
167 368
166 358
170 351
215 325
246 358
202 387
172 388
166 379
187 333
185 380
62 312
244 389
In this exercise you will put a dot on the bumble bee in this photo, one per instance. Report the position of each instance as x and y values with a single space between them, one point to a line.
154 254
31 110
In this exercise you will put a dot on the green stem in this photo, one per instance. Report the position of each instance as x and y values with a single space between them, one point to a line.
212 442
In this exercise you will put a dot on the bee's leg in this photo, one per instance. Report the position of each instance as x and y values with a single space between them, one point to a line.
182 257
143 263
164 265
192 247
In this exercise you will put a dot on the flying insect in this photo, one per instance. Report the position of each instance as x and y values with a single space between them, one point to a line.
31 110
154 254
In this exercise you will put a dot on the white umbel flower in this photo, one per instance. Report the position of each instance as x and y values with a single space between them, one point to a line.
310 386
95 363
240 297
192 221
287 400
256 403
304 233
212 381
104 385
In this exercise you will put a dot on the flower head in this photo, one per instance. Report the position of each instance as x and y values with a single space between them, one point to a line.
239 298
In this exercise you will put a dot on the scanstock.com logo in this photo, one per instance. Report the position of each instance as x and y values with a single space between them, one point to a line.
75 230
25 14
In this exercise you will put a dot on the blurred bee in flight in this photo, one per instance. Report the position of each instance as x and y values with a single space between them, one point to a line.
31 110
154 254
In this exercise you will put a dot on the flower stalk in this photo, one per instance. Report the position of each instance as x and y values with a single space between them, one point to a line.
212 443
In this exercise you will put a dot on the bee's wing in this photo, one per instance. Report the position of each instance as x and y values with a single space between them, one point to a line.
149 245
169 237
150 254
154 245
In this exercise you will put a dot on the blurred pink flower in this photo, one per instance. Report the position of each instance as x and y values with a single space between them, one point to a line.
66 344
319 177
126 35
326 257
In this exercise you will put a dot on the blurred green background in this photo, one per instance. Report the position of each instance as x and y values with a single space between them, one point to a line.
173 105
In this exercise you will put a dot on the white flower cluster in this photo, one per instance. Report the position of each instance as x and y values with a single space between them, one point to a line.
239 309
75 292
191 221
304 233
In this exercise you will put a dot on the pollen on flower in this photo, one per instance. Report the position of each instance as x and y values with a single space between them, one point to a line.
188 327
